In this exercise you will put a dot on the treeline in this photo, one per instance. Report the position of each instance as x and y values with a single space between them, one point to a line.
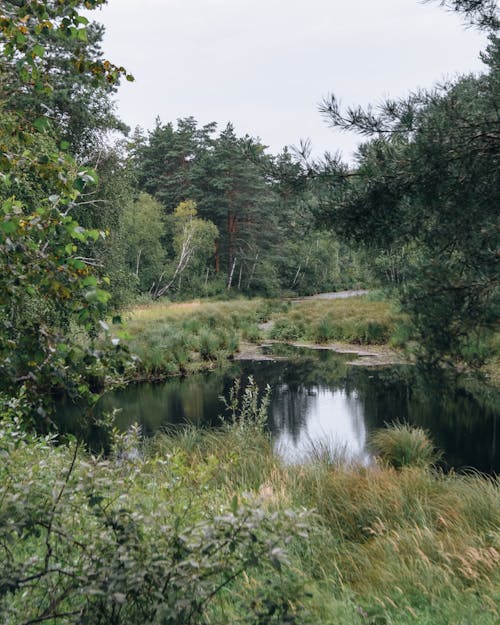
195 211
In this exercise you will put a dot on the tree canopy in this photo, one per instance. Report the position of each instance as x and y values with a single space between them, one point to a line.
426 186
50 293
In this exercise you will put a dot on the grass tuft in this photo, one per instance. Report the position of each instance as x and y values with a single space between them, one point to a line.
401 445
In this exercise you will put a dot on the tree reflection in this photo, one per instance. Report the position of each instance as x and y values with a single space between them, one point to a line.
315 393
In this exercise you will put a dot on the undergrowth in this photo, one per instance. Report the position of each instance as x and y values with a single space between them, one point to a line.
208 526
178 339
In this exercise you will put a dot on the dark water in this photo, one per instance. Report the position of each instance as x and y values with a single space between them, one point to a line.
319 402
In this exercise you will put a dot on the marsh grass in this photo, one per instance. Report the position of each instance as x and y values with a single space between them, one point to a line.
401 445
176 339
385 545
358 320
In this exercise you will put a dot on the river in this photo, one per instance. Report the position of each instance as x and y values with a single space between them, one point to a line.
319 403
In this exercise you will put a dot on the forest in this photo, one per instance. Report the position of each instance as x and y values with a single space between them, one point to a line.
132 255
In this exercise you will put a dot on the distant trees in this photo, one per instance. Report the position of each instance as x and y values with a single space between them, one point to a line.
261 205
193 242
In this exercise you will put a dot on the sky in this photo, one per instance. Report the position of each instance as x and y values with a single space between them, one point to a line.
265 65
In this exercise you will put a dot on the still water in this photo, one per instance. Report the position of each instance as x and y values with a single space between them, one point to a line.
320 403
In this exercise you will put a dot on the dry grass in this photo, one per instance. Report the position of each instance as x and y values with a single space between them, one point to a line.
355 320
385 546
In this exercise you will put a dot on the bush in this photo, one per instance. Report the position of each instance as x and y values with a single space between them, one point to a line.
286 330
324 331
122 542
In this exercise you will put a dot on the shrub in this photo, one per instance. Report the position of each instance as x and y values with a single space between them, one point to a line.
286 330
120 541
324 331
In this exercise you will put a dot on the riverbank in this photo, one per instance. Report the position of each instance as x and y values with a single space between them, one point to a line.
210 527
180 339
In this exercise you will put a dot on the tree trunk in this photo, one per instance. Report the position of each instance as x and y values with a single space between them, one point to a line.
137 263
230 281
253 270
217 257
232 228
296 276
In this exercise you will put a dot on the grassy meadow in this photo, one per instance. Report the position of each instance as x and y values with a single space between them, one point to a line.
205 527
182 338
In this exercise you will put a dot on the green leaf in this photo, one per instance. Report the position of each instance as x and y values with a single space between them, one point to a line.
79 185
102 296
8 227
41 124
90 281
76 263
64 145
38 50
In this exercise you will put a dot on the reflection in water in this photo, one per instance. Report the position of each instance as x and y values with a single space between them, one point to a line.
318 402
332 422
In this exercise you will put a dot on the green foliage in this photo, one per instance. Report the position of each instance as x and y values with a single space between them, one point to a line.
286 330
480 13
262 206
248 411
47 282
353 320
312 262
193 243
142 229
123 541
204 334
402 546
55 50
426 196
401 445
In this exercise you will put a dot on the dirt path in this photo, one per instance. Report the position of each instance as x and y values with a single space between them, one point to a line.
333 295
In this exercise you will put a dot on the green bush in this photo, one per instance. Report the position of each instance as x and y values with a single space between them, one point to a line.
286 330
121 541
324 331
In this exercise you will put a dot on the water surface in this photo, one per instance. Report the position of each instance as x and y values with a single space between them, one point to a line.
320 404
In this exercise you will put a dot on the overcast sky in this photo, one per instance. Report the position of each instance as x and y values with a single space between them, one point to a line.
265 65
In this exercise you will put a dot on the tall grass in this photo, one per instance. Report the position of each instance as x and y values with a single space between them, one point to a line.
385 545
172 339
401 445
356 320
